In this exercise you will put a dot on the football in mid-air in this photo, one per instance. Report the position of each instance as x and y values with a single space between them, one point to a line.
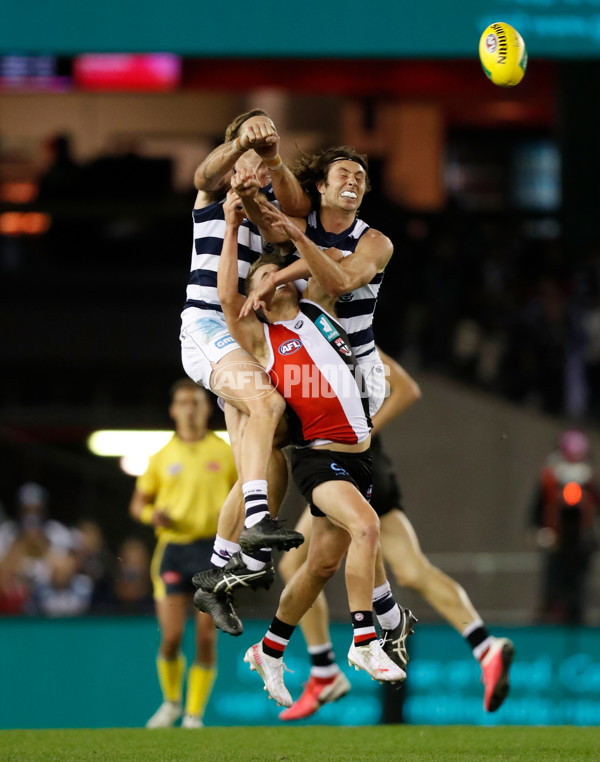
503 55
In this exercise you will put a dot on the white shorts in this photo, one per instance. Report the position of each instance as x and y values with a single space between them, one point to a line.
373 373
205 339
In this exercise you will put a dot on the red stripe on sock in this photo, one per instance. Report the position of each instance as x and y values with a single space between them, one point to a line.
324 680
366 636
274 645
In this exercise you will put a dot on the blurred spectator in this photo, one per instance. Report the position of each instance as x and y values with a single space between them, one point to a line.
61 591
14 592
132 589
33 525
33 558
25 543
565 515
95 560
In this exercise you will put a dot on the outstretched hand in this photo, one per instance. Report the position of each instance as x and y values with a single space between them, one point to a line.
279 221
260 297
245 182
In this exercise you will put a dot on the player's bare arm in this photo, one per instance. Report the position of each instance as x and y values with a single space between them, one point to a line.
246 331
213 174
287 189
257 133
404 391
246 184
341 275
337 274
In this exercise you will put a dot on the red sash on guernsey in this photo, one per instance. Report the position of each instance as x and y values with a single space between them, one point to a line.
313 368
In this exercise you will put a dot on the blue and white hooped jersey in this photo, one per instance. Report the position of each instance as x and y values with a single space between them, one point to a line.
209 232
354 310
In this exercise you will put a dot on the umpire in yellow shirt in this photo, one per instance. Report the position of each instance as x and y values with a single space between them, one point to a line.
180 495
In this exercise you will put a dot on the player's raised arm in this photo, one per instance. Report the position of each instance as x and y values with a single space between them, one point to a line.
246 331
256 132
288 191
246 184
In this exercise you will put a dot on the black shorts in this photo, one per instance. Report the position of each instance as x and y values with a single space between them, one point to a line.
387 494
180 562
313 467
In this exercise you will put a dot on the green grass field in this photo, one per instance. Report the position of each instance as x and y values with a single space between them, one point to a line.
372 744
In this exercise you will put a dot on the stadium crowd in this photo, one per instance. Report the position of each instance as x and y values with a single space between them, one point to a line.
49 569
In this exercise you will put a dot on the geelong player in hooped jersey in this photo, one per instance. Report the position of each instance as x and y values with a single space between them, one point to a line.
307 355
252 145
333 244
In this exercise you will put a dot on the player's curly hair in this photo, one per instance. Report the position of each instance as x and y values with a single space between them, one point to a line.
233 130
313 168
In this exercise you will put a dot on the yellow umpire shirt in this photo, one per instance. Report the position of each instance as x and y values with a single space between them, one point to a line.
189 481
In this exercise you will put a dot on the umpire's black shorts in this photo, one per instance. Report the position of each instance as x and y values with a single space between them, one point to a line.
174 564
310 468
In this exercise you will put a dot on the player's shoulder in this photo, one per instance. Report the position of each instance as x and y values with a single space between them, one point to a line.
208 204
375 240
375 235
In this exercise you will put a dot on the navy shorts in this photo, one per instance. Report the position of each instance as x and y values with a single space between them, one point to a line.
310 468
180 562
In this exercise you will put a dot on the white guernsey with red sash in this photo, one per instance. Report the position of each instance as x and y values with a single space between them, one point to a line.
313 367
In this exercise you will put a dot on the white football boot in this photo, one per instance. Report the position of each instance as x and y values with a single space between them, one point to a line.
375 662
271 671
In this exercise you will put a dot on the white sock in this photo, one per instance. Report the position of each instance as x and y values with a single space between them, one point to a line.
480 650
222 551
387 610
255 501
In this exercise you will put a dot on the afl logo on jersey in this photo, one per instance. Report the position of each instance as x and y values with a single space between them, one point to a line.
346 297
290 346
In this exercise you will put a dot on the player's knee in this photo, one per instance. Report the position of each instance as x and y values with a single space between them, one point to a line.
271 407
323 569
410 572
366 530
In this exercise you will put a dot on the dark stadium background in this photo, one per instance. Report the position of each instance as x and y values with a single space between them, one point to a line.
490 196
